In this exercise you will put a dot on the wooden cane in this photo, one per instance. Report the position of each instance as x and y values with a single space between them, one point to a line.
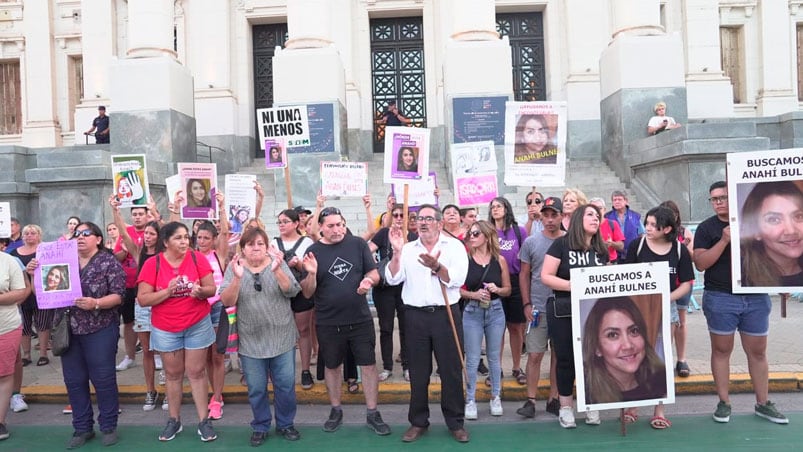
784 297
454 330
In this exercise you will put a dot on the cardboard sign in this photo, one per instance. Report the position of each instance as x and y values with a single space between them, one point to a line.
290 123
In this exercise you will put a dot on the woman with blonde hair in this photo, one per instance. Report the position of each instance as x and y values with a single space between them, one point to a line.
572 198
487 281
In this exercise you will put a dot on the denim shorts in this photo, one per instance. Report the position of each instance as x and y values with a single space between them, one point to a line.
684 301
198 336
674 316
726 313
214 314
142 319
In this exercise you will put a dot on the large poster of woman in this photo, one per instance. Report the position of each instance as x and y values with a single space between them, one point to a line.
535 143
199 182
766 208
620 321
406 154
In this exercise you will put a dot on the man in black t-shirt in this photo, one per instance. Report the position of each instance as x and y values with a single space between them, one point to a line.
343 320
100 126
392 116
726 312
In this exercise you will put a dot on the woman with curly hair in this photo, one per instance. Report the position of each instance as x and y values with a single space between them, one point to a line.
772 235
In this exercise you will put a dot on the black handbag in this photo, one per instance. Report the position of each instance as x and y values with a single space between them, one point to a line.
222 335
60 334
563 307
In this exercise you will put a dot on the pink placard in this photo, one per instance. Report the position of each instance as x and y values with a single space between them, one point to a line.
479 189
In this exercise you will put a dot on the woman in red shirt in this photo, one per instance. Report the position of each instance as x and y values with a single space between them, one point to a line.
176 284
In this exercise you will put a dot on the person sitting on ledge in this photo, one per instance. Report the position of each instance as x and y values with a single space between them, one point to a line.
660 122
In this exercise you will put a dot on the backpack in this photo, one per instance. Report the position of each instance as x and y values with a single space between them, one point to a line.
289 254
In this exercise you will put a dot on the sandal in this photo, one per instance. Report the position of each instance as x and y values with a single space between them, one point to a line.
520 376
682 369
43 361
660 423
631 417
353 386
26 362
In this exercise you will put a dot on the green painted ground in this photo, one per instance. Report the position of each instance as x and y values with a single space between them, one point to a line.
687 433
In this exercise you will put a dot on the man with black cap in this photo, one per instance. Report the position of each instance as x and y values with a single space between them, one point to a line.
534 295
101 125
392 116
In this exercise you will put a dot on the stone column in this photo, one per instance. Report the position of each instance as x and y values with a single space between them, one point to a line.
309 70
709 92
641 66
776 91
152 93
37 66
473 39
98 47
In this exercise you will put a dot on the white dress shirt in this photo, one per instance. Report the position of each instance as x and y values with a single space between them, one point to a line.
421 286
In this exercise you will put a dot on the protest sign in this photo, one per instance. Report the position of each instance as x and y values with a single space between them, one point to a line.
172 185
474 173
622 337
535 144
406 154
130 176
344 179
56 280
765 206
420 192
199 181
241 199
289 122
275 153
5 220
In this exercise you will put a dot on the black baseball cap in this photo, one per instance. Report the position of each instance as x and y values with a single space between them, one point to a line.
301 209
553 203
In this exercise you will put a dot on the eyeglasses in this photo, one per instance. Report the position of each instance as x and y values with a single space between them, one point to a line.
475 234
537 201
257 283
718 199
398 215
427 220
281 222
84 232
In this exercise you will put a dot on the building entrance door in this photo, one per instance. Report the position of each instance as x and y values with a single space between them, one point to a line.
265 40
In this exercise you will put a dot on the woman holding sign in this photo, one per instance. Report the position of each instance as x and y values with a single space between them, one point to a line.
582 246
95 331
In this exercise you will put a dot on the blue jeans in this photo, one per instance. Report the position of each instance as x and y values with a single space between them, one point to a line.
479 322
282 370
91 357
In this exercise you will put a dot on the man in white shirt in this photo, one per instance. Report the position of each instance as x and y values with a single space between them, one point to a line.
424 265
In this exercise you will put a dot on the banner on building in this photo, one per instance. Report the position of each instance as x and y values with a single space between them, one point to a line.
344 179
622 336
479 119
535 144
406 154
765 207
130 176
241 199
288 122
321 118
56 280
199 182
474 173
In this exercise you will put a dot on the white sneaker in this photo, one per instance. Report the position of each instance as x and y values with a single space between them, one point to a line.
165 406
150 401
566 417
125 364
384 375
157 362
496 406
471 410
592 418
162 378
18 403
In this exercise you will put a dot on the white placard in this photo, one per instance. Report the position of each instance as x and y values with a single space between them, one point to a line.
5 220
241 200
535 144
344 179
289 122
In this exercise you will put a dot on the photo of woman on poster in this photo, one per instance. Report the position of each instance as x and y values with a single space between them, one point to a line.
772 235
407 161
56 277
275 154
198 193
619 362
535 142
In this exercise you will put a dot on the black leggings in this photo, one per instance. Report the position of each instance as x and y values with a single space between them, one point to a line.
560 332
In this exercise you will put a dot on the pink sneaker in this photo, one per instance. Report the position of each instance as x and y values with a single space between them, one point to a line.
215 409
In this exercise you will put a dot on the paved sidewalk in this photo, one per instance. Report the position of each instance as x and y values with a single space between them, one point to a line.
785 354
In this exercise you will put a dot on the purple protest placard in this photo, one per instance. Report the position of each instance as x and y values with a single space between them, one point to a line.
56 280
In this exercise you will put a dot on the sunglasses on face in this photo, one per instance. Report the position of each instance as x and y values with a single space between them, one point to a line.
84 232
475 234
328 211
257 283
537 201
398 215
